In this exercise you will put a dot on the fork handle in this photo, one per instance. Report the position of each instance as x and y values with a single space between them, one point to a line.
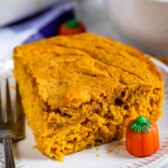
9 159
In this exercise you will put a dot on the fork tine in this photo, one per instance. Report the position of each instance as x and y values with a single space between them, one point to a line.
11 128
13 97
3 88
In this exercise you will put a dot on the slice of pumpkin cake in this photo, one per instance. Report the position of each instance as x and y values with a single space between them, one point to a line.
80 91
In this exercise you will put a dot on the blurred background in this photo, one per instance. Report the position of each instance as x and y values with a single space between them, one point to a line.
141 23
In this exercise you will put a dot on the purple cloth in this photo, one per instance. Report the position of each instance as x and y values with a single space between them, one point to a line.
46 23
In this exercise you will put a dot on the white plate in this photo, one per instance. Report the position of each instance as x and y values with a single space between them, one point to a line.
98 157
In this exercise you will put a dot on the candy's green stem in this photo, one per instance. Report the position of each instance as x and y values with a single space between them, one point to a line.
141 125
72 23
142 119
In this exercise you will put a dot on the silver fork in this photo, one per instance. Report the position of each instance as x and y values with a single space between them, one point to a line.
11 118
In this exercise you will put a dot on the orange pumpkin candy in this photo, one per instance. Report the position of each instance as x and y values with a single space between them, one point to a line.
72 27
142 137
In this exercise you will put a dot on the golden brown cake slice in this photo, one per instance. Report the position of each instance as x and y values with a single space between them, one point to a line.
80 91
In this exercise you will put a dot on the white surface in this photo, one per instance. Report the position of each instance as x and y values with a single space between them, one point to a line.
93 14
14 10
143 23
28 157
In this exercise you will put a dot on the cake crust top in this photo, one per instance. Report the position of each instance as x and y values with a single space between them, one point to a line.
71 70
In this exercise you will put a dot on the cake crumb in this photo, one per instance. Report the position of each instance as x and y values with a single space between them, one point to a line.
13 87
97 155
120 143
109 151
97 148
